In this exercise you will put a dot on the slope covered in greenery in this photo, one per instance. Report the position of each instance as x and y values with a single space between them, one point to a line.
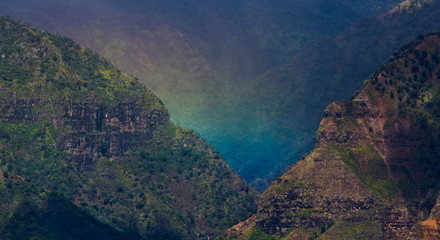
80 137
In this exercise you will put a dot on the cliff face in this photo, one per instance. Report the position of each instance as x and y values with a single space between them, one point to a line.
96 130
374 173
78 134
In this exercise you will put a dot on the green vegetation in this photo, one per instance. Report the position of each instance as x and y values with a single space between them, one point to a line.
282 185
345 230
58 218
257 234
375 176
46 65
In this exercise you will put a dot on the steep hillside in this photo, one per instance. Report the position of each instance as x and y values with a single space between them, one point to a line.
288 101
197 55
375 171
79 137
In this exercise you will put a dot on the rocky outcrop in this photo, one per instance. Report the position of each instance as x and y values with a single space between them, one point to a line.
109 132
315 191
95 130
430 228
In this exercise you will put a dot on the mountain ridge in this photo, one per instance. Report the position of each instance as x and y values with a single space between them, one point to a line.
374 171
287 98
75 132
